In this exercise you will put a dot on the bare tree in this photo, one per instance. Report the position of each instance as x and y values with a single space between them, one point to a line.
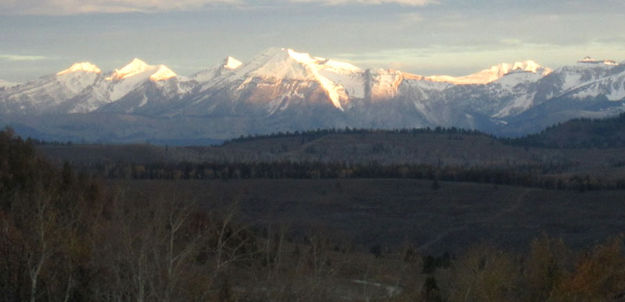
40 235
484 274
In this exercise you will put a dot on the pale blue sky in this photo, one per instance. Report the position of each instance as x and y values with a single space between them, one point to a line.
454 37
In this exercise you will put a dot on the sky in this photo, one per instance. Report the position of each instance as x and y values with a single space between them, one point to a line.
427 37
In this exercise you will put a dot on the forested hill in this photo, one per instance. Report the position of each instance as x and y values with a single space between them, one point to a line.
433 147
580 133
576 133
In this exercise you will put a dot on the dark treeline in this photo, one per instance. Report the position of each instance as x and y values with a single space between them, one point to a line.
529 175
36 141
576 133
310 135
66 237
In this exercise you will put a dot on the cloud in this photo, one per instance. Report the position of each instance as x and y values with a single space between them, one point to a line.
72 7
17 58
371 2
410 19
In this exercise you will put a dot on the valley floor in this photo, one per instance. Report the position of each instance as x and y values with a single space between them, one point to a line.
393 213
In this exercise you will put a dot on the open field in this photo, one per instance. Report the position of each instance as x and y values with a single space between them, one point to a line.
393 213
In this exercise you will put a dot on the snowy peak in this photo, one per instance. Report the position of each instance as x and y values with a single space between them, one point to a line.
287 63
231 63
135 67
130 77
526 66
138 67
162 73
77 77
80 67
228 65
280 64
514 78
591 61
322 63
5 84
494 73
276 63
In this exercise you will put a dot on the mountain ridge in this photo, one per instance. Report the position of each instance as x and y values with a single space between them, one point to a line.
284 90
494 73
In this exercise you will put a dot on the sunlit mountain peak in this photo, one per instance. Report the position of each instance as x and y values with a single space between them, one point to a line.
591 60
528 66
162 73
494 73
7 84
306 58
137 67
286 56
231 63
81 67
286 63
302 57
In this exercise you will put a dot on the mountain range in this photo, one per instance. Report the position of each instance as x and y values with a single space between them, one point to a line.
284 90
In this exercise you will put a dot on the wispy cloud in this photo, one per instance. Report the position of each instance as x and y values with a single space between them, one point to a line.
411 18
372 2
460 60
72 7
17 58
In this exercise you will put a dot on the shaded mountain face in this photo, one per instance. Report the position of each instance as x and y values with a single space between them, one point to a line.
285 90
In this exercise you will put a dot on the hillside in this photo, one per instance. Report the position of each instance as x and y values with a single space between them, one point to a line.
580 133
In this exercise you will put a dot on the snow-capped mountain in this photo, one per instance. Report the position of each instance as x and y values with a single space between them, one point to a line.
592 78
140 87
277 79
281 75
50 94
611 87
285 90
83 88
590 88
